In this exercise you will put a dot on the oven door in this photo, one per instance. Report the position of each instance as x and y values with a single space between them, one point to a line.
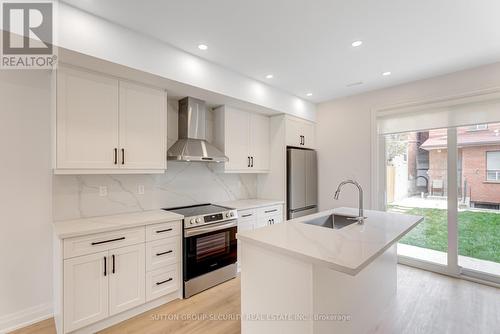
210 247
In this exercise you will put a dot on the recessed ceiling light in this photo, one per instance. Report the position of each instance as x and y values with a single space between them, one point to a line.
356 43
269 76
309 94
355 84
203 47
386 74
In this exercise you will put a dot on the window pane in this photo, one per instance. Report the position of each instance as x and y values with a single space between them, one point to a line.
416 168
479 201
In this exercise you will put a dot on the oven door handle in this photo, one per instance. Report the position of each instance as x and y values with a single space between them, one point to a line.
209 228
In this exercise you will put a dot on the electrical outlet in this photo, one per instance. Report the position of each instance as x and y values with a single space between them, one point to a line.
103 191
140 189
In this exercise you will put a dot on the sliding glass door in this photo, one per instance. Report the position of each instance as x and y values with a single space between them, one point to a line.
416 183
479 200
451 176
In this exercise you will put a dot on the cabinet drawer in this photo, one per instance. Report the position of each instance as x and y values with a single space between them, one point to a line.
270 211
161 253
161 282
103 241
163 230
244 215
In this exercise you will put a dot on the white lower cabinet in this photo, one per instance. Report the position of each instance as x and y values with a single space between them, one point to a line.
251 219
161 282
109 273
85 290
126 278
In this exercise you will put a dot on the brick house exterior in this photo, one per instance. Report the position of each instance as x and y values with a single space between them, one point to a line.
473 145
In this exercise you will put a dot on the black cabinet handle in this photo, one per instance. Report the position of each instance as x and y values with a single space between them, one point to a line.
162 231
248 165
303 140
123 156
247 215
165 281
113 257
269 211
106 241
116 155
252 161
105 266
273 221
163 253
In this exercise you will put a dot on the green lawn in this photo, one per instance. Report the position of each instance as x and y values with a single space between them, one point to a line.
479 233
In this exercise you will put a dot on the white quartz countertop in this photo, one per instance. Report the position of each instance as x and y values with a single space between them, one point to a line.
79 227
348 250
253 203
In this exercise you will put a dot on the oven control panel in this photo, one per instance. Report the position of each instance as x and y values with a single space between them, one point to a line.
210 219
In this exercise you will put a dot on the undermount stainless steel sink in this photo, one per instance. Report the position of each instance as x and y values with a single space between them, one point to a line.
332 221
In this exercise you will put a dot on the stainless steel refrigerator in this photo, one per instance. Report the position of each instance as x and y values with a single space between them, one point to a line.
302 182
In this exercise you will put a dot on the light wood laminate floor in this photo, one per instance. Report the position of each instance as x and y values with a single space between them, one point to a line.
427 303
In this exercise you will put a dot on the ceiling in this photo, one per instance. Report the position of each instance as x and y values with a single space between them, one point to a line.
306 44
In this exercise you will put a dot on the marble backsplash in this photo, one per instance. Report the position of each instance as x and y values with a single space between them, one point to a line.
184 183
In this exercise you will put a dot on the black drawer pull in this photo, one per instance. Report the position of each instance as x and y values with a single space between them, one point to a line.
247 215
106 241
167 230
163 282
269 211
105 266
163 253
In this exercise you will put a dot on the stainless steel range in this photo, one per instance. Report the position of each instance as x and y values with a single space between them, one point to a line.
209 246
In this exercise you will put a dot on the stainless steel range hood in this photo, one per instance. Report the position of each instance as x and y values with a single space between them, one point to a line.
192 144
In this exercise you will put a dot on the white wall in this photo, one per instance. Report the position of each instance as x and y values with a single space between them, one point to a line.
25 197
344 128
88 34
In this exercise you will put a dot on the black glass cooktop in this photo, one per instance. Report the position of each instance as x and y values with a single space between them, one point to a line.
198 210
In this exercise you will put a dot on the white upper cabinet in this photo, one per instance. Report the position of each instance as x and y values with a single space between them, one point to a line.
142 127
87 120
106 125
245 139
237 141
259 141
299 133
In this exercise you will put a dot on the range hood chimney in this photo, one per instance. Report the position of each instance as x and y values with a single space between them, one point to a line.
192 144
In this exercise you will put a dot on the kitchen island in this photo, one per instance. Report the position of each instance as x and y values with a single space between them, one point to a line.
301 278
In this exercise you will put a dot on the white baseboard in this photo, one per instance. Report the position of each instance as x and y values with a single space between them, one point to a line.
26 317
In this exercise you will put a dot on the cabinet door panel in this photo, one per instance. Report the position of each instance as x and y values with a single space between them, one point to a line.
237 129
87 120
143 119
309 135
85 290
293 132
127 282
260 141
